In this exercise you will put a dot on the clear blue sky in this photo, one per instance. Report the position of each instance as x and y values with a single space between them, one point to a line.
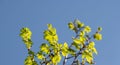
35 14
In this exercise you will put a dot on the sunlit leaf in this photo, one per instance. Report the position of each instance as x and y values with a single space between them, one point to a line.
77 41
30 61
82 33
40 56
94 50
79 24
91 45
56 59
71 51
76 46
98 36
87 29
25 33
50 35
87 55
45 48
65 49
71 25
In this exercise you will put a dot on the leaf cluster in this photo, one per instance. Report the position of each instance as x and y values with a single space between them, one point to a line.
52 52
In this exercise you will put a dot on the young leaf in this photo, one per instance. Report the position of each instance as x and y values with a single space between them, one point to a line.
79 24
25 33
40 56
30 61
65 49
56 59
71 25
71 51
45 48
99 28
98 36
87 29
77 41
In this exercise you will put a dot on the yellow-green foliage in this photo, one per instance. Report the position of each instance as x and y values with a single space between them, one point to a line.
52 52
25 34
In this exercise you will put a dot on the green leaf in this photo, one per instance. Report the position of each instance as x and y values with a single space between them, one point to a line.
64 52
65 49
51 29
28 43
57 48
45 48
31 53
94 50
91 45
89 59
35 63
98 36
80 41
79 24
77 41
82 33
76 46
40 56
65 45
30 61
87 29
87 55
71 25
25 33
56 59
71 51
49 26
99 28
50 35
